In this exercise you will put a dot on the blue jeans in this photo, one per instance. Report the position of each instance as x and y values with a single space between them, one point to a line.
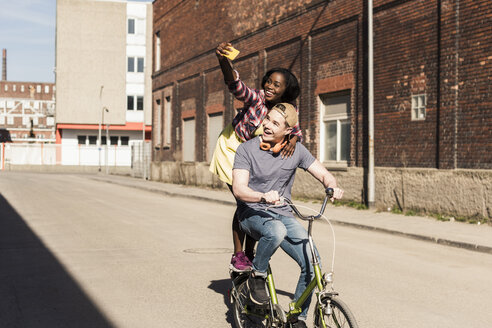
273 231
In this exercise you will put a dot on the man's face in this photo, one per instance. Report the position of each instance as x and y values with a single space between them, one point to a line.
274 127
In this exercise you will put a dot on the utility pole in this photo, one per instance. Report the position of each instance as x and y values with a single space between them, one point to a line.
100 124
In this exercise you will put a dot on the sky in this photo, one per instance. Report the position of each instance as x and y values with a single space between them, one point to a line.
27 31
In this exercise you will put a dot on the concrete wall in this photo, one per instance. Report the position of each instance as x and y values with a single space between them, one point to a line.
90 53
454 192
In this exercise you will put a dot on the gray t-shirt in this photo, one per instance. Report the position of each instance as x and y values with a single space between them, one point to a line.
268 171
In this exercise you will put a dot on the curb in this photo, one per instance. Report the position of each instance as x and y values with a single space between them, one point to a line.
435 240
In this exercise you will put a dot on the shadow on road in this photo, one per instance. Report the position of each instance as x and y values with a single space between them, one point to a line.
222 287
36 290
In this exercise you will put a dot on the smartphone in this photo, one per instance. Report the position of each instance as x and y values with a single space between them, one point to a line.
231 54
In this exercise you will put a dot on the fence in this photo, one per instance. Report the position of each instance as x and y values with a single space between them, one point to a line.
82 155
141 158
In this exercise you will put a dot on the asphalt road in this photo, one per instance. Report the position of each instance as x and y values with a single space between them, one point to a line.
75 252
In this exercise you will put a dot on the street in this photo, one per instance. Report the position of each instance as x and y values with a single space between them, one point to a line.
75 252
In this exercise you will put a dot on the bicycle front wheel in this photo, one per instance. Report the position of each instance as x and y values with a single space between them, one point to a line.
245 313
335 313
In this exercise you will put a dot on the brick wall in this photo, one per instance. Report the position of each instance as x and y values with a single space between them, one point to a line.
27 90
24 103
437 48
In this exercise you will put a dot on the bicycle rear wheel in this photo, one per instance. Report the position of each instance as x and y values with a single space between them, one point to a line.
338 315
245 313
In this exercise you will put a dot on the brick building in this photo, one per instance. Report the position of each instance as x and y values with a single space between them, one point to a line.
432 87
27 111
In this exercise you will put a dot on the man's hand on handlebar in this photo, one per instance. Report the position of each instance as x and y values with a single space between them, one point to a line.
271 197
337 194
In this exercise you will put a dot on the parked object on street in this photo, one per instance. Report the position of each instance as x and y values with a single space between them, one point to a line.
5 135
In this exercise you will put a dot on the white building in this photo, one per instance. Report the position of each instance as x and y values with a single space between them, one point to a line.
103 79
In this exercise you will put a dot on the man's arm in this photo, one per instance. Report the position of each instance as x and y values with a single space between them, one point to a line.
241 190
318 171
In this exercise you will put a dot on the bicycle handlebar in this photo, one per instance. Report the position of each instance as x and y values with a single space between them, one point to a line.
329 194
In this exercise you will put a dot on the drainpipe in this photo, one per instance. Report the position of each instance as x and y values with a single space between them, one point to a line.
457 84
370 178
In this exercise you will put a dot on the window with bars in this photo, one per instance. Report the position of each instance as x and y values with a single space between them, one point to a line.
419 103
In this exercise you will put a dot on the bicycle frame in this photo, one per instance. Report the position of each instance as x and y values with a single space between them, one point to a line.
317 282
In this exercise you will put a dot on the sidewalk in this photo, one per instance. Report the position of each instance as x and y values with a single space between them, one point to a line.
463 235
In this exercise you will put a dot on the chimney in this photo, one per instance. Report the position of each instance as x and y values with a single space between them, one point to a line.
4 64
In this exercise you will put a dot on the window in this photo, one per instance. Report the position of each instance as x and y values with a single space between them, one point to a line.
50 120
418 107
92 140
140 105
335 127
6 87
46 89
22 88
35 121
113 140
124 141
81 140
158 123
167 122
14 87
38 89
25 121
2 119
215 122
10 120
157 51
130 103
131 26
189 140
140 64
131 64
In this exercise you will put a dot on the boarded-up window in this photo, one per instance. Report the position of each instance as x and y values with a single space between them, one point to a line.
215 122
189 140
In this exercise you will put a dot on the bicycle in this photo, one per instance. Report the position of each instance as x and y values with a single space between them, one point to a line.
329 312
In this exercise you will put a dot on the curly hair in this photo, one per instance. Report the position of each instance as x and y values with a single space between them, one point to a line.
292 88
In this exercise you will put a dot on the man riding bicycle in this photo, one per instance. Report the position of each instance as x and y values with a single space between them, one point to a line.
260 177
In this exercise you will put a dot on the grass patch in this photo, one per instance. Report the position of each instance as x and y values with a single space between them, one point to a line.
440 217
411 213
474 219
461 219
396 210
351 203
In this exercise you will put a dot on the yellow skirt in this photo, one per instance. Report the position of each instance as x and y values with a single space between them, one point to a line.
225 151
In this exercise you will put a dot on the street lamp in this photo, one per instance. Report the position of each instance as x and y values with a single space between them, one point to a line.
100 124
104 109
107 141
